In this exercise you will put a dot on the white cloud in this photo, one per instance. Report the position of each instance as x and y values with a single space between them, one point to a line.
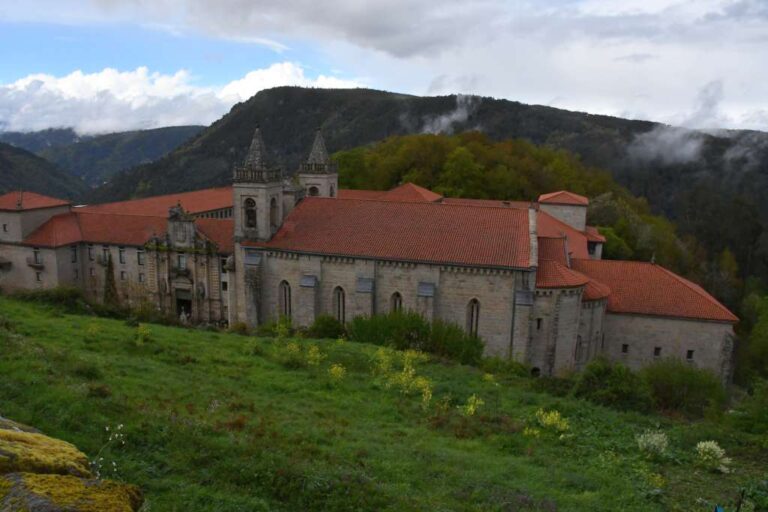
112 100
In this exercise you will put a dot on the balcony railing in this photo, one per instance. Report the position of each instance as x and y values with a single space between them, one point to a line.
245 175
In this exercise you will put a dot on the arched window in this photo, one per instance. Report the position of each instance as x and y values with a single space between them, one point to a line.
473 316
339 306
333 192
284 298
273 213
396 302
250 213
314 191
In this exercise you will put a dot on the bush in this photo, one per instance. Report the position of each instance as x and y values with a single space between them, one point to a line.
507 367
450 340
710 456
678 386
239 328
653 443
410 330
326 327
67 297
613 385
751 415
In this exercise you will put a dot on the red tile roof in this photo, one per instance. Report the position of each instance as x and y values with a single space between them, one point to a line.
497 203
198 201
553 249
219 231
563 197
29 201
407 231
70 228
593 235
648 289
550 227
133 230
552 274
595 291
360 194
411 192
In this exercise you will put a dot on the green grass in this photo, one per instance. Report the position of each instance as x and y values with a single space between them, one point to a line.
223 422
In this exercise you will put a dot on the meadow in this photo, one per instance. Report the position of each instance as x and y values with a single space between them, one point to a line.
214 421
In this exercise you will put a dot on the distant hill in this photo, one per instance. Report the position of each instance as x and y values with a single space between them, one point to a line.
712 185
20 169
97 158
40 140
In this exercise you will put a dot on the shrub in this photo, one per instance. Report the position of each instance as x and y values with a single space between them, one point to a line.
326 327
552 421
404 330
239 328
337 372
67 297
143 334
751 415
449 340
292 356
712 457
314 356
506 367
473 405
678 386
613 385
653 443
557 386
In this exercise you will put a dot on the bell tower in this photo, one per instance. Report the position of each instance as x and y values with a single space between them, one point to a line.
258 194
318 175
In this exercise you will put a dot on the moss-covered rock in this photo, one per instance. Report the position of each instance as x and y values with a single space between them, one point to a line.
54 493
42 474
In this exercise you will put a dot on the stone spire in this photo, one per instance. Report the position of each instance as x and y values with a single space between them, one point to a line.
256 153
255 168
318 161
318 154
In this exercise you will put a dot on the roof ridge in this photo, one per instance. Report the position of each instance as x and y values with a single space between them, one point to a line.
409 201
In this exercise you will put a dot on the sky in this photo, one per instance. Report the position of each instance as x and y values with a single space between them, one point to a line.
110 65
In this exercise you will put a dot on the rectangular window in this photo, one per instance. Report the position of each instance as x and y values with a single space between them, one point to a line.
5 228
539 322
91 272
73 252
141 277
689 355
77 274
90 252
121 254
224 286
625 349
140 256
223 265
36 254
656 351
182 261
38 276
123 275
105 252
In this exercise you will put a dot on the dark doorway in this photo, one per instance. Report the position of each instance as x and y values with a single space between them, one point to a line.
183 303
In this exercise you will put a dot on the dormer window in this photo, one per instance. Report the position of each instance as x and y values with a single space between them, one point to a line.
249 207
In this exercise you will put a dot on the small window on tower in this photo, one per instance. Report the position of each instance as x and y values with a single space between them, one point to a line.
689 355
625 349
5 228
539 323
656 351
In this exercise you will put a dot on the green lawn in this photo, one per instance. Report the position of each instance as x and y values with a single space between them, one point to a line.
223 422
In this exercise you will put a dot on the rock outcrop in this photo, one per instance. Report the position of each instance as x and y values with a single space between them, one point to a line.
42 474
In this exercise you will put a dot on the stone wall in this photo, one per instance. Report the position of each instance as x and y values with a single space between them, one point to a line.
573 215
368 288
711 342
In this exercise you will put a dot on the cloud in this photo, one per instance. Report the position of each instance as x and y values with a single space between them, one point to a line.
636 58
465 107
112 100
667 145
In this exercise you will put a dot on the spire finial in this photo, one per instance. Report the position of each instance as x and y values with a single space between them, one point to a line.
257 152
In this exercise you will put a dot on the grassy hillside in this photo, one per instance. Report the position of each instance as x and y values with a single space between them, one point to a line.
95 159
224 422
39 140
20 169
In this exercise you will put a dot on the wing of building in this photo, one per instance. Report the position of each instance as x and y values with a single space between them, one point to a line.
525 276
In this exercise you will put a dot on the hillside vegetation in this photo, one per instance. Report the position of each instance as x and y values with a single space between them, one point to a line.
226 422
20 169
96 159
